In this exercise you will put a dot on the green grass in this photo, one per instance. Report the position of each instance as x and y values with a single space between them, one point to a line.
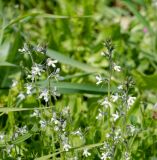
74 33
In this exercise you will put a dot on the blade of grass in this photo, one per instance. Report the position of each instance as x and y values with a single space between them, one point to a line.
67 87
69 61
7 64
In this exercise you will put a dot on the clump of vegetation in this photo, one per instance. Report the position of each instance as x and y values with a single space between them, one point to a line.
65 93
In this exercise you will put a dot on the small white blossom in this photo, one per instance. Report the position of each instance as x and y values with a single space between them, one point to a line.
14 83
51 62
21 96
108 135
86 153
25 49
28 88
106 103
116 68
44 94
127 156
100 115
54 92
36 113
104 156
115 97
43 123
115 116
23 130
131 101
120 87
56 128
66 147
66 111
78 133
37 70
2 135
99 79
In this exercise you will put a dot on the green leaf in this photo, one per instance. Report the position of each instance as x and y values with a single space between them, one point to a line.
7 64
67 87
6 110
145 82
39 15
69 61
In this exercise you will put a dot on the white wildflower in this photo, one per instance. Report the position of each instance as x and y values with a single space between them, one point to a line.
116 68
115 97
56 128
86 153
106 103
100 115
131 100
78 133
21 96
104 156
108 135
54 92
44 94
2 135
28 88
23 130
43 123
66 147
36 113
37 70
127 156
120 87
51 62
25 49
14 83
115 116
66 111
99 79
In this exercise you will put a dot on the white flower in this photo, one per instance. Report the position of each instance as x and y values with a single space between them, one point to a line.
36 70
66 111
116 67
115 97
56 128
104 156
36 113
44 94
28 88
99 79
14 83
43 123
108 135
54 92
51 62
77 133
22 130
120 87
21 96
106 103
100 115
131 101
2 136
127 156
86 153
66 147
115 116
25 49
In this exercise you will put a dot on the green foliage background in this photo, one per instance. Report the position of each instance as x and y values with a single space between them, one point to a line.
74 32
